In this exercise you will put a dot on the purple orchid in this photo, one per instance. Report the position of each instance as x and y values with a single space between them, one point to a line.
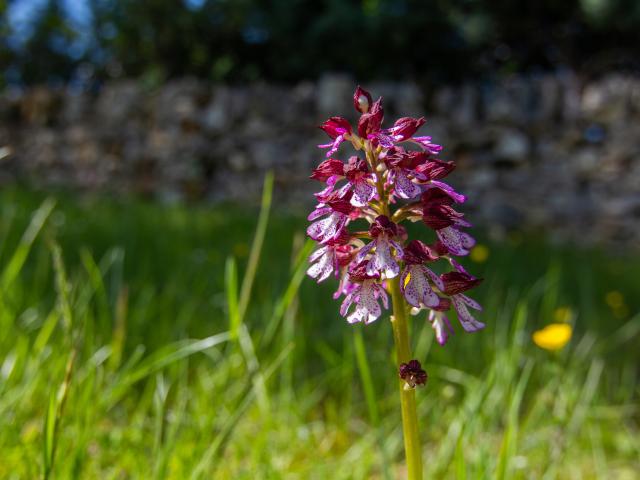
330 258
454 284
338 130
336 210
415 277
382 261
390 177
439 320
365 292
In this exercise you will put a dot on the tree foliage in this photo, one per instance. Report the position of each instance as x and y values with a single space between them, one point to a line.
289 40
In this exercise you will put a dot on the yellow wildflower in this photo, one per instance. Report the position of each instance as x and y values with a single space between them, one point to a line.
553 336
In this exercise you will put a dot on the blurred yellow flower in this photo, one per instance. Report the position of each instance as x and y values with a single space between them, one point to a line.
562 314
553 336
614 299
479 253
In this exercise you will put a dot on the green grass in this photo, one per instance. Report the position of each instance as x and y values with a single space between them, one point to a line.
133 345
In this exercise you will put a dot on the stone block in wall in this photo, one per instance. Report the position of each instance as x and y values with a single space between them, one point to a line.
608 100
512 146
334 94
119 102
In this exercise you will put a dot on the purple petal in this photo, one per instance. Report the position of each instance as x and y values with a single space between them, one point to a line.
317 254
382 294
454 240
319 212
398 249
441 326
363 192
384 140
327 229
364 251
425 142
322 269
468 242
467 321
346 303
457 266
417 291
434 278
470 302
382 260
448 189
404 187
367 308
333 147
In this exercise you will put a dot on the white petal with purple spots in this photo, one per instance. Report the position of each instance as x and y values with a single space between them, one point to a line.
441 326
455 241
468 322
328 228
367 308
416 289
405 188
324 264
470 301
382 261
363 192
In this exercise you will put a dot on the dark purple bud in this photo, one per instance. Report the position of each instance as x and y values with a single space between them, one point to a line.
327 169
436 196
439 216
443 306
440 248
358 273
336 126
382 225
405 127
341 240
370 122
340 203
344 254
412 373
355 168
401 232
417 253
362 100
435 169
458 282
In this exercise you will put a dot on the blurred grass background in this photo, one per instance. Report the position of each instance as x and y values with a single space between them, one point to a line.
124 353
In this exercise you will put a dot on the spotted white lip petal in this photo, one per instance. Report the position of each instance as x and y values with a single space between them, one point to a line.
382 260
455 241
328 228
468 322
470 302
434 278
324 264
417 290
363 192
405 187
441 326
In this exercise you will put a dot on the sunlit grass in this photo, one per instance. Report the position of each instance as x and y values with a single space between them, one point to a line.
172 378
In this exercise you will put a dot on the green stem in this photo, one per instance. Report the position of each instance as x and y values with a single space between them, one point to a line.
412 446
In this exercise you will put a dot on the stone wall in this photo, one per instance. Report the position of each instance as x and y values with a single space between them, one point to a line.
551 152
